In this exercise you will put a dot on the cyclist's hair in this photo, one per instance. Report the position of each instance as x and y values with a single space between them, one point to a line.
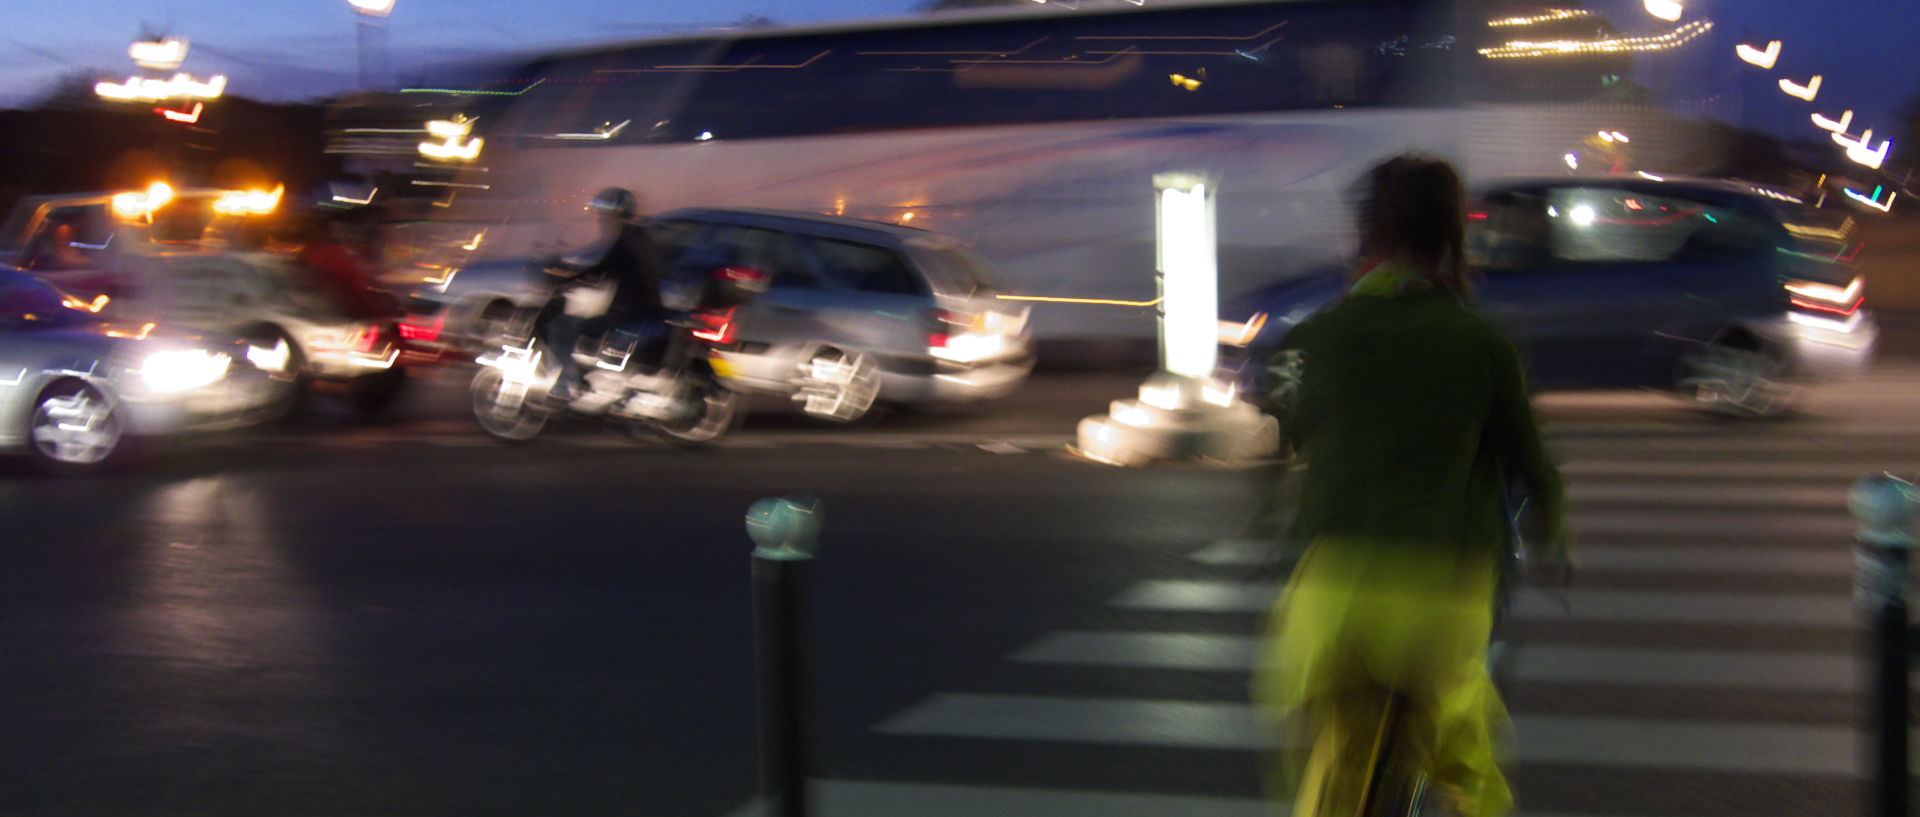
1413 208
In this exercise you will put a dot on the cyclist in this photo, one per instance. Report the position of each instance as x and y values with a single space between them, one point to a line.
1412 414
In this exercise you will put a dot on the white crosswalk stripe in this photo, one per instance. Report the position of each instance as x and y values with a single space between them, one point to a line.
1608 742
1618 666
1727 559
1695 607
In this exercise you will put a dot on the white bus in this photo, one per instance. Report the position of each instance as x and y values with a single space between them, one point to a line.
1034 133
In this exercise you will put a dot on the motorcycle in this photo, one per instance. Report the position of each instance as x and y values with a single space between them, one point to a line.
673 387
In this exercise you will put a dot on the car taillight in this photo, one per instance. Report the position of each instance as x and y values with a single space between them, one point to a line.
1823 297
367 339
714 325
946 324
423 332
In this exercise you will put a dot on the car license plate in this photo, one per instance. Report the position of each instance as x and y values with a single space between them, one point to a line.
722 367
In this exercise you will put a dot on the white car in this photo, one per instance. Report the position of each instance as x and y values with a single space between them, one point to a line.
76 390
182 262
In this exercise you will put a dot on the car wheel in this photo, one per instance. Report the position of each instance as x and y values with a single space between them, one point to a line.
75 429
505 413
837 386
1740 377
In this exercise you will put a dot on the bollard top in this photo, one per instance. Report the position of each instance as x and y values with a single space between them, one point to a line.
785 528
1883 504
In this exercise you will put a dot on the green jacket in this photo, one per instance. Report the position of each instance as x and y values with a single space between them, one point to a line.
1410 410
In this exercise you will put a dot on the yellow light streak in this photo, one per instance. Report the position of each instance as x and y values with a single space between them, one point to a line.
165 54
181 116
180 86
1839 126
249 202
1806 92
1827 292
1545 16
1668 10
1556 48
98 303
1761 57
1049 299
141 203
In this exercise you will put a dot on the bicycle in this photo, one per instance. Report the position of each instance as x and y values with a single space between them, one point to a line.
1397 760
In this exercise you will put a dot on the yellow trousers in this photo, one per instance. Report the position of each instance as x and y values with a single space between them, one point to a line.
1359 620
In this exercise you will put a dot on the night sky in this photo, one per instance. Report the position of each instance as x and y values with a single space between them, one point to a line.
298 49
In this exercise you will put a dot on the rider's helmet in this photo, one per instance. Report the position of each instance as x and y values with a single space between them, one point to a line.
617 202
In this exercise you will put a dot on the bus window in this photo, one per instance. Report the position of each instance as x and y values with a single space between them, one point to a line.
1134 64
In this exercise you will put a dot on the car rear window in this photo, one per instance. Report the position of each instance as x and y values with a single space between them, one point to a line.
869 268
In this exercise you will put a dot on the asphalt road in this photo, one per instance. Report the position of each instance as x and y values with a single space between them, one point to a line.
407 619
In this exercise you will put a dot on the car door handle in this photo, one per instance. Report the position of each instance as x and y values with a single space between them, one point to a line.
786 308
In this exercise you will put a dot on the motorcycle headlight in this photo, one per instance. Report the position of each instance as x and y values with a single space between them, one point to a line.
177 370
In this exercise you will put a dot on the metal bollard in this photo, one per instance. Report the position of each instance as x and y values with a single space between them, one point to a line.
1883 504
784 531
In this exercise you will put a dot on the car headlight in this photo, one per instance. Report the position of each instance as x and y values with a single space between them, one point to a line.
178 370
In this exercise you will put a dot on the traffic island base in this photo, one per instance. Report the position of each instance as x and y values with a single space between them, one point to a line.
1136 433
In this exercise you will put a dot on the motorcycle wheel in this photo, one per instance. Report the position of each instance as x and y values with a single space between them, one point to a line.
500 414
719 410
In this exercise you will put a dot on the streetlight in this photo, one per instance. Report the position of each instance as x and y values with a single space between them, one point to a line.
367 14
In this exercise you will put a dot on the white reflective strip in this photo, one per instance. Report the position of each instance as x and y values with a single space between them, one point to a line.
1622 524
1691 607
1614 666
1841 472
1179 651
1645 492
1701 669
1819 445
1198 596
1596 742
1122 721
847 798
1237 552
1835 561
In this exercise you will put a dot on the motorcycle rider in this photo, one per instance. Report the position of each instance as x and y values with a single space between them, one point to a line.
631 262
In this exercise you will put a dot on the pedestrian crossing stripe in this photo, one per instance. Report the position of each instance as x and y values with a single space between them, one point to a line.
1747 670
1580 604
1826 562
1797 469
1601 742
1830 498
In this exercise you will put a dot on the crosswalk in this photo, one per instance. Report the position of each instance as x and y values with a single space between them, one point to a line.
1708 664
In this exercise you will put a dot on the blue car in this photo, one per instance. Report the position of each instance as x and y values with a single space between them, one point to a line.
1727 294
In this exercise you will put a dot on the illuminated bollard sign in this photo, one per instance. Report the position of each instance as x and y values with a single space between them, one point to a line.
1189 275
